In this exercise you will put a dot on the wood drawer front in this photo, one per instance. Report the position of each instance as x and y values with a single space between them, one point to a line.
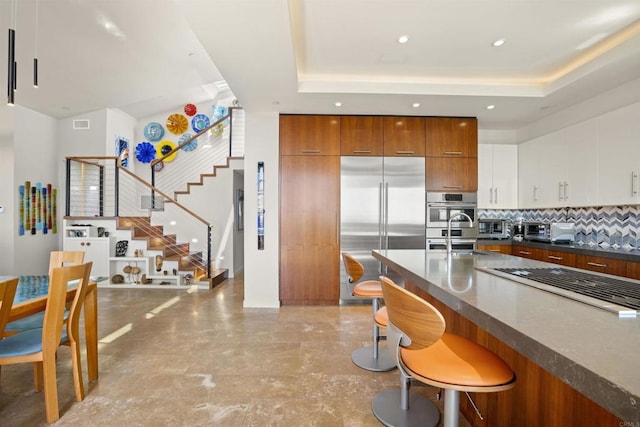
525 252
563 258
633 270
404 136
500 249
602 265
309 135
361 136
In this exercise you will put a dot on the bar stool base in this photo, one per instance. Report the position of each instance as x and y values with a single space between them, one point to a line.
388 410
363 358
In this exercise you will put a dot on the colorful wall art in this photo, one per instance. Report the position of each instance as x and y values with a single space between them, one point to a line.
122 151
37 207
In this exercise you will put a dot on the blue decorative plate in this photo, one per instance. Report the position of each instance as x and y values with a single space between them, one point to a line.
153 131
145 152
199 122
190 146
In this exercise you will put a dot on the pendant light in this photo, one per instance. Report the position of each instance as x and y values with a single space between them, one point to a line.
35 50
12 67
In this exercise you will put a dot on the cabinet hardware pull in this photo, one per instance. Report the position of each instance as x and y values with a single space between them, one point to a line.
88 243
595 264
490 195
535 193
452 186
405 152
494 250
495 197
453 153
524 252
361 151
634 182
81 243
560 187
310 151
566 193
558 258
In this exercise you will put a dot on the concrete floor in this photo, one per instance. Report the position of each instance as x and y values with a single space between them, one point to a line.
174 358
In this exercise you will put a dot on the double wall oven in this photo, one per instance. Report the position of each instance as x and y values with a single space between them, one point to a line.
441 207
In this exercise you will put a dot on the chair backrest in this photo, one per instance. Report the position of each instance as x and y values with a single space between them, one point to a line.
54 313
73 321
354 269
7 293
421 322
65 258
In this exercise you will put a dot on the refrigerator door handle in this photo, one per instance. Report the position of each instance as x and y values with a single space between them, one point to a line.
380 215
386 215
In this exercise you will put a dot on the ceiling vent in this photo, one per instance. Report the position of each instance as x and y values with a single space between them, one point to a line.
81 124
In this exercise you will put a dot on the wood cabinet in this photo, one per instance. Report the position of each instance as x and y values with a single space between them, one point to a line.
361 136
559 257
526 252
452 136
309 229
633 270
602 265
497 176
309 135
452 174
404 136
502 249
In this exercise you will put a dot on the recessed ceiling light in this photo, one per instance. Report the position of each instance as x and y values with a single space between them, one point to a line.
497 43
403 39
338 104
491 107
415 104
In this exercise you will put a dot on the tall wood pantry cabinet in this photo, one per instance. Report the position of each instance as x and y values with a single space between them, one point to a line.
309 209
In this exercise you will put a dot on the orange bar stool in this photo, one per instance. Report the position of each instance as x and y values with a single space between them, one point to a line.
426 353
371 358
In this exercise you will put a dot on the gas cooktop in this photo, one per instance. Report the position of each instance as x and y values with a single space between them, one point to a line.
605 292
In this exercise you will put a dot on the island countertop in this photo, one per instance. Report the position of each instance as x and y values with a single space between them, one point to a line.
592 350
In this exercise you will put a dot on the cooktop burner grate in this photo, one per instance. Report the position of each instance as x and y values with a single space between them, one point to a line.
611 291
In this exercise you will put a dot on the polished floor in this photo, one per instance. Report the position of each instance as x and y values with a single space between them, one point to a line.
174 358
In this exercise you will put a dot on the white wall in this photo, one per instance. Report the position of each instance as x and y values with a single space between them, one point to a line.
35 149
7 201
261 277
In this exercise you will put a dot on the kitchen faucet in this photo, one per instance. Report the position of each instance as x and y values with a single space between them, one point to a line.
455 215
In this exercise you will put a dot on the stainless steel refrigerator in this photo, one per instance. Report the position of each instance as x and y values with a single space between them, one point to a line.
382 206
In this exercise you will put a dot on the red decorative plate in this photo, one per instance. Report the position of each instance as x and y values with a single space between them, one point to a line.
190 110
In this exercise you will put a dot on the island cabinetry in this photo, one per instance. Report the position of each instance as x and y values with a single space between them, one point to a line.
302 135
602 265
633 270
527 252
309 230
538 399
558 257
502 249
404 136
452 137
361 136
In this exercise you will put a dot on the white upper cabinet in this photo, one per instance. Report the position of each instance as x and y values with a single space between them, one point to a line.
618 134
529 164
581 186
497 176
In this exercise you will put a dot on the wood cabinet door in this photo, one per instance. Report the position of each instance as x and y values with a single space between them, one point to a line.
452 174
309 229
361 136
452 137
602 265
309 135
404 136
500 249
633 270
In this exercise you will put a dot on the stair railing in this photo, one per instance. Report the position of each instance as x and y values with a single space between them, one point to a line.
100 188
198 155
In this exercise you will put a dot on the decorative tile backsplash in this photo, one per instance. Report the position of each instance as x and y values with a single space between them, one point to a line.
606 226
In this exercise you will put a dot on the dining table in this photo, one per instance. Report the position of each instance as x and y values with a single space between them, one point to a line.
31 298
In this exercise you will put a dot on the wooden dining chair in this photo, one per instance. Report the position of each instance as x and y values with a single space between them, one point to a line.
7 293
56 259
39 346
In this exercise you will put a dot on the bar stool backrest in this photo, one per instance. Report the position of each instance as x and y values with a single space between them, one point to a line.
354 269
7 293
421 322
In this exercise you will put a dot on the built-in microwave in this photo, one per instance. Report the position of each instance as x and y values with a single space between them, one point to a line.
494 228
443 206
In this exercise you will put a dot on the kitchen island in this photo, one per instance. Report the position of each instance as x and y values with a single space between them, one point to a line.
576 364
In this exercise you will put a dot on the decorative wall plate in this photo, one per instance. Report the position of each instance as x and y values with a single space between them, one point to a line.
163 148
190 146
190 109
158 167
153 131
177 123
199 122
218 129
145 152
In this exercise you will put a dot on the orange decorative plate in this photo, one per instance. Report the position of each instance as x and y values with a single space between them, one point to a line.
177 123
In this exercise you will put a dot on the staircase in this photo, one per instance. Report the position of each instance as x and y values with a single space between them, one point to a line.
188 262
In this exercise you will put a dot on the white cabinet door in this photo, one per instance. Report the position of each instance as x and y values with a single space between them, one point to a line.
528 167
581 188
485 176
505 176
95 249
619 156
552 174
